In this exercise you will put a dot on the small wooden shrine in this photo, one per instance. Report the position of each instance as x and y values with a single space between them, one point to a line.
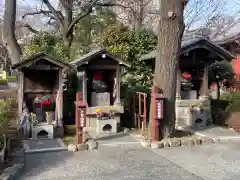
41 92
99 81
193 109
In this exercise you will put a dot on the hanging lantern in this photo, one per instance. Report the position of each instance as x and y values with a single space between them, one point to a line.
187 76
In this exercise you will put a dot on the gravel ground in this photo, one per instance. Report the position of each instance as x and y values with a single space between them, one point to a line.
110 162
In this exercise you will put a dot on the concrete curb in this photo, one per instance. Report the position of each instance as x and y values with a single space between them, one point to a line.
176 142
13 172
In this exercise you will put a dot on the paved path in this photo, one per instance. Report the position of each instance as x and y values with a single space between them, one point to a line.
110 162
212 162
126 159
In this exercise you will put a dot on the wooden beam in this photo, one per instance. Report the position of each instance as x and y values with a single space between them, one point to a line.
39 91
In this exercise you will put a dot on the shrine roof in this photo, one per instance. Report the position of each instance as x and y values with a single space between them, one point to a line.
96 53
189 44
38 56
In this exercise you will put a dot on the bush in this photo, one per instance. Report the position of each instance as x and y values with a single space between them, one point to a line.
3 81
11 79
232 100
4 112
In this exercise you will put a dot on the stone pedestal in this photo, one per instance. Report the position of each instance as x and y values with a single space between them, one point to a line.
106 126
100 99
42 127
194 118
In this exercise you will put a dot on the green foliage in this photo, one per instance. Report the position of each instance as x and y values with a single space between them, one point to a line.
130 46
4 112
222 72
3 81
11 78
45 42
89 28
232 100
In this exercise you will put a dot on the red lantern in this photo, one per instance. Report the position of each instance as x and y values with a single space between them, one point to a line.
187 75
97 76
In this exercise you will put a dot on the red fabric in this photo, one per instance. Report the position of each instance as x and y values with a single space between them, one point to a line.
214 85
37 105
187 75
98 76
236 65
46 102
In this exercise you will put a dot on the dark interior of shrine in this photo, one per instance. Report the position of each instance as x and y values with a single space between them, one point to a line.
39 83
106 79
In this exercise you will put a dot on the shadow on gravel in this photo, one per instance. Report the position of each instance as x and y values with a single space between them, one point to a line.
37 163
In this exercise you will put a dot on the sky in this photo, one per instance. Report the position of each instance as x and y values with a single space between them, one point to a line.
226 7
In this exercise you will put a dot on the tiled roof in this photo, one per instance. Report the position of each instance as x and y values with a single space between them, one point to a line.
188 42
94 53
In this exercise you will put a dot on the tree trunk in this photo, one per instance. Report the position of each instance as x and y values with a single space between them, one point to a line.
68 36
9 38
170 32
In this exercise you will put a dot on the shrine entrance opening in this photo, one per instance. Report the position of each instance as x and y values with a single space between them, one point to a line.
102 82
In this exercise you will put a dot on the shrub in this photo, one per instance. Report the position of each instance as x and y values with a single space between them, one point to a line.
11 79
4 112
3 81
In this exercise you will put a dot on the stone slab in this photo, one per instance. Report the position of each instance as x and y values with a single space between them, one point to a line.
101 124
43 127
44 145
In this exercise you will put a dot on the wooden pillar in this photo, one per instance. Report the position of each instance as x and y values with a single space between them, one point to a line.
205 94
84 86
20 93
178 86
60 101
117 101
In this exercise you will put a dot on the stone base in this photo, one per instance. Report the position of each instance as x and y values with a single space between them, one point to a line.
58 132
43 127
193 118
108 126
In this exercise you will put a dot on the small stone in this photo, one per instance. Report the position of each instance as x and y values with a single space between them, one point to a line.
160 144
133 129
145 143
155 145
174 142
216 140
82 147
207 141
6 176
72 147
92 144
187 142
166 143
86 137
197 141
126 130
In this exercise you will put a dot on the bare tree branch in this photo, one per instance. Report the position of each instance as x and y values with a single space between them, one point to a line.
26 25
57 15
45 12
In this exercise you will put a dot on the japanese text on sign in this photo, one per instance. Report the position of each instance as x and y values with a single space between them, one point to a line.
82 114
159 109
